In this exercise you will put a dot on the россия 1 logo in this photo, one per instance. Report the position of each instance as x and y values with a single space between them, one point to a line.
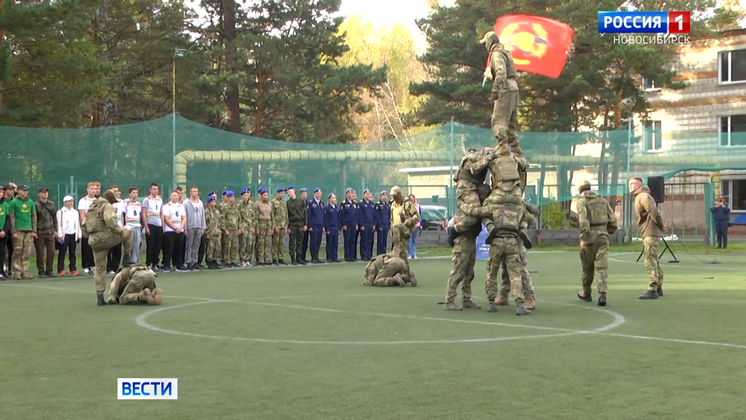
644 22
664 24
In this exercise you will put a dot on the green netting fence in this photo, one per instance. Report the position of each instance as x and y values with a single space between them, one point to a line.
65 160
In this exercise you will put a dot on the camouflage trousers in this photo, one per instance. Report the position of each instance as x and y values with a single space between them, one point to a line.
650 259
505 120
399 235
213 246
528 285
504 249
277 241
263 245
594 259
246 245
384 276
470 207
463 259
100 245
21 253
141 280
230 246
295 239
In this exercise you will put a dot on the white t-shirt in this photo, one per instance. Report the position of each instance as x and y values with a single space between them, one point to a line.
85 203
173 212
153 206
133 210
119 207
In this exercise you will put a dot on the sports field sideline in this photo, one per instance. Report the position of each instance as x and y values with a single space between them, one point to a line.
313 343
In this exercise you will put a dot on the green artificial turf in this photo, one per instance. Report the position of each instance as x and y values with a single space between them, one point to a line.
313 343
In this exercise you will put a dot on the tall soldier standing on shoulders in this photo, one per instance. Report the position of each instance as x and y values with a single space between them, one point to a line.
103 233
504 94
597 221
297 225
651 227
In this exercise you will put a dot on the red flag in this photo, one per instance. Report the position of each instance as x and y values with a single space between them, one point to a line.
538 45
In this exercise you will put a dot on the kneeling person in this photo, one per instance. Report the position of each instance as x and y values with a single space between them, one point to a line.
388 270
135 285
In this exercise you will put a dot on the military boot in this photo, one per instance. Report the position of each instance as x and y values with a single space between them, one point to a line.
585 296
602 300
520 309
491 307
502 149
282 261
523 234
301 261
101 301
502 300
649 294
274 262
491 234
397 281
315 259
660 291
450 306
293 260
114 301
468 304
413 279
530 303
127 261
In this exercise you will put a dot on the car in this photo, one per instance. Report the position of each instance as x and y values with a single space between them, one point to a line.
433 217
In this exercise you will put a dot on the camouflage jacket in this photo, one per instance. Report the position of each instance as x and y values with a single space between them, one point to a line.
280 211
229 216
297 211
101 219
404 213
212 219
596 218
247 216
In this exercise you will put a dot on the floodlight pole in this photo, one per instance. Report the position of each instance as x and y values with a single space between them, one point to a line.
173 121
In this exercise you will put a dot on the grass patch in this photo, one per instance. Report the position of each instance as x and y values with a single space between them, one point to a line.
313 343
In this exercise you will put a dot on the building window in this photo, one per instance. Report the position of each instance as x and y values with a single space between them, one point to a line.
734 191
651 136
732 66
733 130
649 84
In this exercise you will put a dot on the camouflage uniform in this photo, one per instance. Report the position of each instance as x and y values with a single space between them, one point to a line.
507 188
21 212
279 228
404 217
265 221
214 249
103 233
135 285
229 215
386 270
528 285
246 223
597 221
651 226
297 220
471 173
508 218
463 259
504 94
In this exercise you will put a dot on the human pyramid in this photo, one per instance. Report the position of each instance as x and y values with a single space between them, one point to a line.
500 207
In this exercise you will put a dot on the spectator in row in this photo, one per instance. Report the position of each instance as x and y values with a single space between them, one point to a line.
68 237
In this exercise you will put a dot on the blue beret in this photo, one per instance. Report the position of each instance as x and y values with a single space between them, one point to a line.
290 188
262 190
229 193
348 190
303 190
225 192
245 190
366 191
329 196
317 190
384 192
280 189
211 198
212 193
